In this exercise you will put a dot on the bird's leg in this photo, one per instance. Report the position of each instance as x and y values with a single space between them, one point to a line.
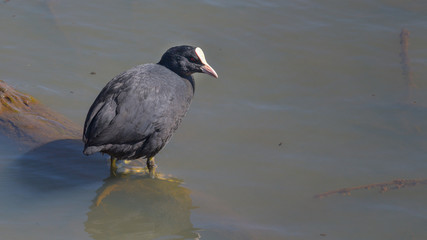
113 166
151 166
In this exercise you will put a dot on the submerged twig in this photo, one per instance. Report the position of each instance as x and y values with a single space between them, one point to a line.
383 187
406 63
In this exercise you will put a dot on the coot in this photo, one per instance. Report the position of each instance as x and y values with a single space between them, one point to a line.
136 113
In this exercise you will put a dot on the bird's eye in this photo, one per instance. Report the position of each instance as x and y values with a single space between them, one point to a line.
192 59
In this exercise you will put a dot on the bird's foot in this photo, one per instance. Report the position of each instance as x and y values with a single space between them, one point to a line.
113 167
151 165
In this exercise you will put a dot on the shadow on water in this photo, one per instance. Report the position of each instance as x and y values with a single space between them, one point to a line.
60 164
139 207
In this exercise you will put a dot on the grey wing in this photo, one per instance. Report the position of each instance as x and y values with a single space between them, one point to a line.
102 110
118 117
134 113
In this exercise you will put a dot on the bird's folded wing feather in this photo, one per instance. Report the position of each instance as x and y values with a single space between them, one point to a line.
129 110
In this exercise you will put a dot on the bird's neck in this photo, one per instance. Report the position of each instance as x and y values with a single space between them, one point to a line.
175 69
191 80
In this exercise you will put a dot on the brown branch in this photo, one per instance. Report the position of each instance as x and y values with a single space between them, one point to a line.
383 187
406 64
405 61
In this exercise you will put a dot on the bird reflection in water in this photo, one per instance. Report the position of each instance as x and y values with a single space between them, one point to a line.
128 206
137 206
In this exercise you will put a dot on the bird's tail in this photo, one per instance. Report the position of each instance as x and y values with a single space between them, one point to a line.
91 149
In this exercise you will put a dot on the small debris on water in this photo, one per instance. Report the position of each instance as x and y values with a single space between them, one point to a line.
323 234
92 73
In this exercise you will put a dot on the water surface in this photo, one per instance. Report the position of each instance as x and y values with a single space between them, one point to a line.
310 98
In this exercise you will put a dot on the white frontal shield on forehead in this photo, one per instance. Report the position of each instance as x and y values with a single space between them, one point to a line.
205 68
201 55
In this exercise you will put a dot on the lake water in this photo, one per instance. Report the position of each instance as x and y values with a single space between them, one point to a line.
312 96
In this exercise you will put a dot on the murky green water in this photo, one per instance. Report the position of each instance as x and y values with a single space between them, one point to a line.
310 98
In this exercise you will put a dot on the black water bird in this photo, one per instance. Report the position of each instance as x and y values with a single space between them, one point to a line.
136 113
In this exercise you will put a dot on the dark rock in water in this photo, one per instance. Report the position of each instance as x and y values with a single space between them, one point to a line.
29 123
55 159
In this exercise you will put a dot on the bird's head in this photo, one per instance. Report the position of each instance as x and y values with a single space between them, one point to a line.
186 60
